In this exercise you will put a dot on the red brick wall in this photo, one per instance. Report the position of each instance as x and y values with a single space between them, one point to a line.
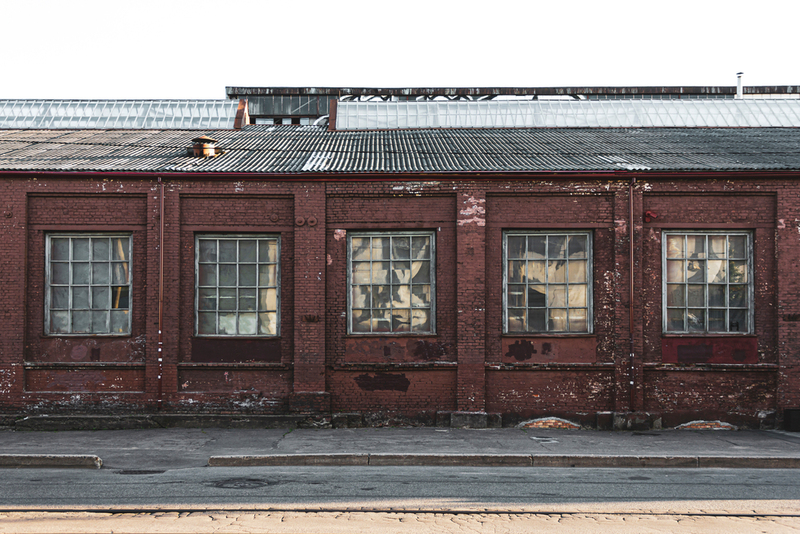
466 365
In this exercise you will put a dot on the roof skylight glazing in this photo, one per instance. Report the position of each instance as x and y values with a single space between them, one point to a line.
118 114
569 114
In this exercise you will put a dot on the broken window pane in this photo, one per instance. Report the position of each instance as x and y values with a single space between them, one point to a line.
120 248
120 297
391 275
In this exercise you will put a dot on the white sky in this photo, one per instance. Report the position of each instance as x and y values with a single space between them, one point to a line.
172 49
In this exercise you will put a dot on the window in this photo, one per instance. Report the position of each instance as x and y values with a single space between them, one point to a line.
238 281
707 282
547 282
88 284
391 282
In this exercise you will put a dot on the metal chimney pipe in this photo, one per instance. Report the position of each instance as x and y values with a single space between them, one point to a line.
739 93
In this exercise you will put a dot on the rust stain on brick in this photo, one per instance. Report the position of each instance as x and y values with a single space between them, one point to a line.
383 382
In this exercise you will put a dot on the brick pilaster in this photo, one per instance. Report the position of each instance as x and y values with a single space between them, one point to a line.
471 299
309 391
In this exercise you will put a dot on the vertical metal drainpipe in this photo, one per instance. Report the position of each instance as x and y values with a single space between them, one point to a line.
632 356
160 291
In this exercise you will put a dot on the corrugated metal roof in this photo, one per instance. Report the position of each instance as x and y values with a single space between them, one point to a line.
569 114
127 114
306 149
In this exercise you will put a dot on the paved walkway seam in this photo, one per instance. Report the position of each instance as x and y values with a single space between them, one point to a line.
503 460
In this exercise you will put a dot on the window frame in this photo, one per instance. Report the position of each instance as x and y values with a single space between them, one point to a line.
48 283
749 249
431 234
589 284
197 287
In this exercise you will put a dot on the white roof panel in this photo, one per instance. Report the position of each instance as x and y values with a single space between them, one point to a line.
711 113
118 114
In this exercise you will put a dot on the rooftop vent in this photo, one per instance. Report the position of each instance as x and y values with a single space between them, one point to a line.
204 147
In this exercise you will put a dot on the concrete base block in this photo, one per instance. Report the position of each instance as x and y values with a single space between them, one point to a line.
637 421
469 420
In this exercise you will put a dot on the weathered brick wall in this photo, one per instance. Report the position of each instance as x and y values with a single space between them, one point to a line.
559 392
377 206
467 365
403 392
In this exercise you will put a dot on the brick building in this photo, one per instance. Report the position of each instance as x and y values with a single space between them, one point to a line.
411 261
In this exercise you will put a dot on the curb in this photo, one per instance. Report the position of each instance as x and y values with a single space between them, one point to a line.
504 460
80 461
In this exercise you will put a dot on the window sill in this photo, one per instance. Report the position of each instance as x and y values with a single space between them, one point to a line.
83 365
238 365
707 336
550 366
392 334
546 335
344 366
763 367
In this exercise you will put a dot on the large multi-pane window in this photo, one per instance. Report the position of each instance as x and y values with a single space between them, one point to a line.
88 284
547 282
238 285
391 282
707 282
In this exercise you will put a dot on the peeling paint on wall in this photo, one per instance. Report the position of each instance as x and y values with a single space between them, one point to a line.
474 210
339 234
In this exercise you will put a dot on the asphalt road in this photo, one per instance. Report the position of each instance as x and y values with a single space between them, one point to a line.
392 488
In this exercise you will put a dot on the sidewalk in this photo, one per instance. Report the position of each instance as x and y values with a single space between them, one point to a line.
175 448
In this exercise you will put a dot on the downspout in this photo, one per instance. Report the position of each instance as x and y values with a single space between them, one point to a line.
632 294
160 291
